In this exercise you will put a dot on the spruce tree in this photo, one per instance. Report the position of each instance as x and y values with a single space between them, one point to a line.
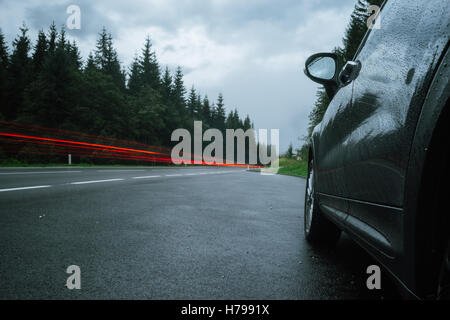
74 55
179 92
4 61
229 122
134 81
206 112
166 87
198 107
52 36
19 75
172 117
53 96
90 64
40 53
107 60
220 116
192 103
149 66
247 123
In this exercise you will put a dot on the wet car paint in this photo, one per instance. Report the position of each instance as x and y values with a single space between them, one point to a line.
362 146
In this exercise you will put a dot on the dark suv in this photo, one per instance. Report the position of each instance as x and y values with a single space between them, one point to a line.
379 162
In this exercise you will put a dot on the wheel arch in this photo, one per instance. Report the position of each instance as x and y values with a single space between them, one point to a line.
425 222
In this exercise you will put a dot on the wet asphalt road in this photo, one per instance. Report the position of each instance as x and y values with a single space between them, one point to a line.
178 233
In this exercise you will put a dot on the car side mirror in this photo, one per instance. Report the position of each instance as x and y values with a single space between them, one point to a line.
323 68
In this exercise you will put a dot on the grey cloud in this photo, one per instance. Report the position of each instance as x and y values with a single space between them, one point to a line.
263 32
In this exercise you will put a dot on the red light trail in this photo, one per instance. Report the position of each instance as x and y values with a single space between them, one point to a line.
76 142
97 150
16 126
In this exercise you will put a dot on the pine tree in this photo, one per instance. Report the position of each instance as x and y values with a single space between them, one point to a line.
104 109
53 96
172 117
103 56
179 92
52 36
233 121
149 66
213 122
206 112
19 75
247 123
192 103
90 64
237 122
154 118
198 107
74 55
40 53
62 42
166 87
229 121
134 81
219 114
4 61
107 60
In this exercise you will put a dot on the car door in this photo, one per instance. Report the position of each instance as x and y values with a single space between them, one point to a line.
330 153
398 61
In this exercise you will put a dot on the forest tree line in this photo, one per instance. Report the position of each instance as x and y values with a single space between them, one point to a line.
48 83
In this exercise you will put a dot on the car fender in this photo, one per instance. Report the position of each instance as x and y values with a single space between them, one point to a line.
435 104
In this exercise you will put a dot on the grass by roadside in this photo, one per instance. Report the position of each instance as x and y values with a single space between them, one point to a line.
293 167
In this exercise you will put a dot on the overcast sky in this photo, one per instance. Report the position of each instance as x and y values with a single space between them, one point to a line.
252 51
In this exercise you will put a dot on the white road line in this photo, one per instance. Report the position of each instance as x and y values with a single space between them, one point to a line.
173 175
96 181
191 174
40 172
147 177
120 170
24 188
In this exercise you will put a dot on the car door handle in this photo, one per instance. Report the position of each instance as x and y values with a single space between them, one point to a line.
350 72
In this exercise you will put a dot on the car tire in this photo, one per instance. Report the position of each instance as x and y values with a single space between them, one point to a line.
318 229
443 292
